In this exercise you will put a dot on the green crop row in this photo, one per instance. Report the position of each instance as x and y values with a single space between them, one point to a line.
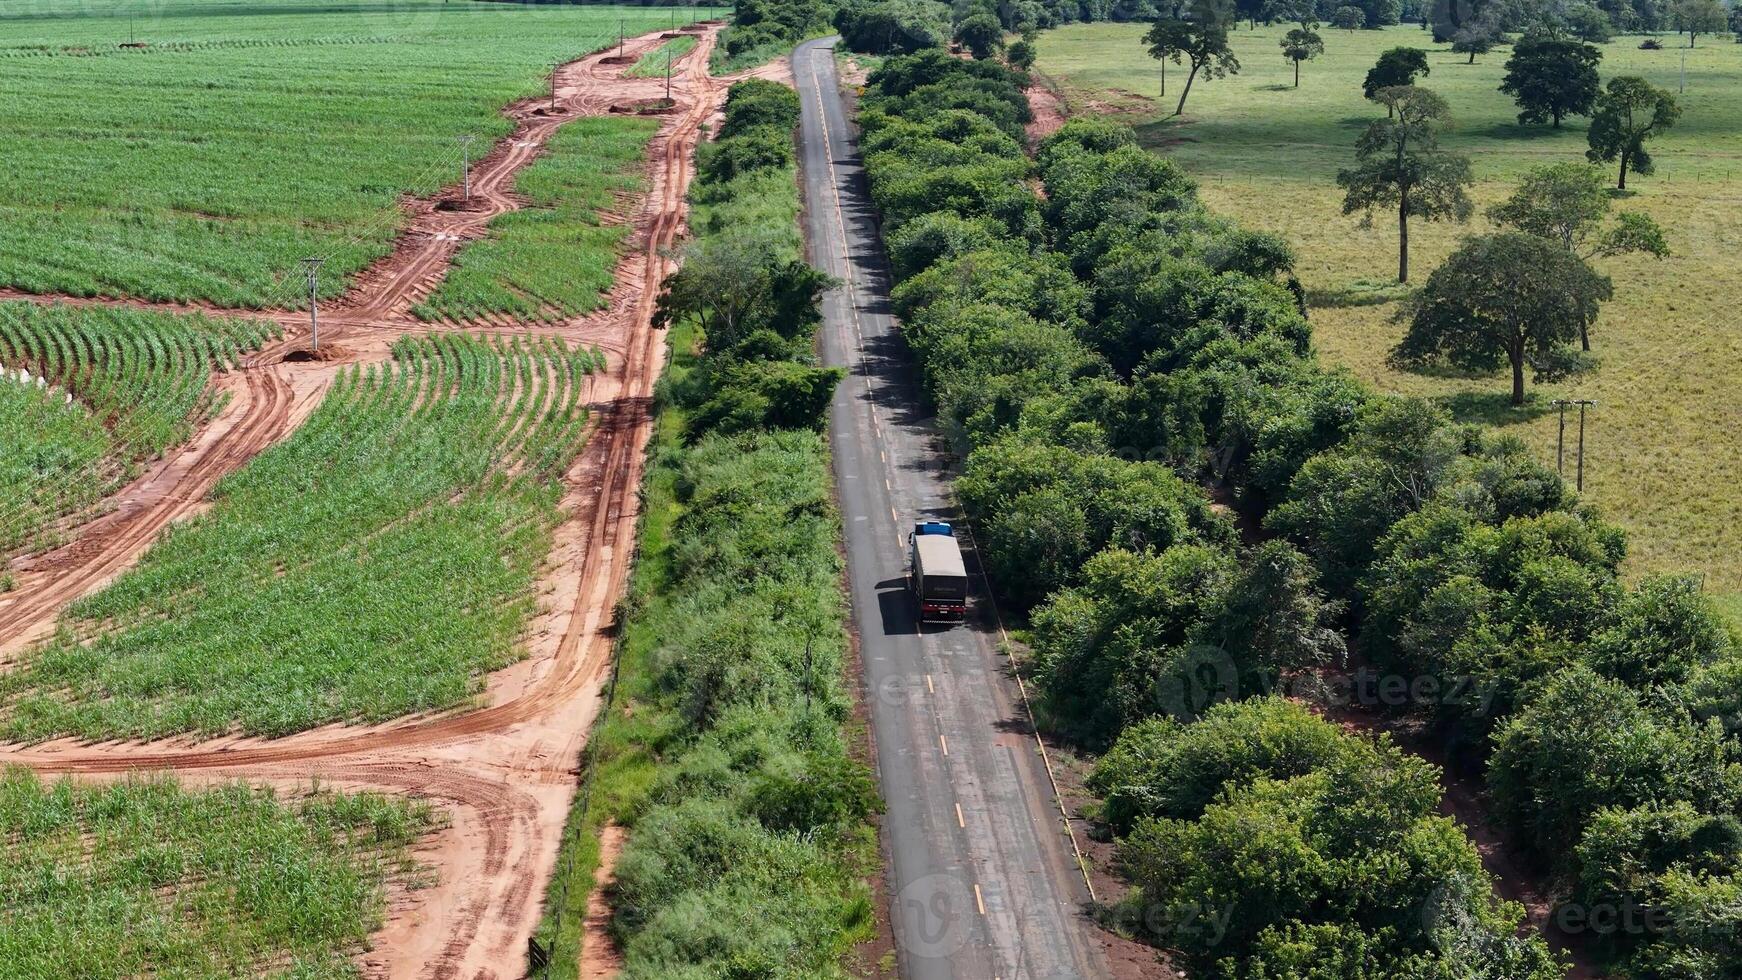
86 394
654 63
145 877
207 174
378 563
557 257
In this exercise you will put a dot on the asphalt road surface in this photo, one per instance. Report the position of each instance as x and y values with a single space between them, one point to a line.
984 880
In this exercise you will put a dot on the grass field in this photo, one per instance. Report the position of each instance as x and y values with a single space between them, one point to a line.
1662 458
87 394
377 563
653 64
148 878
555 258
242 137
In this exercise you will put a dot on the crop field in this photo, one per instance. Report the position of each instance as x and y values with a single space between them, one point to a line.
654 63
87 394
1661 458
377 563
146 877
555 258
238 138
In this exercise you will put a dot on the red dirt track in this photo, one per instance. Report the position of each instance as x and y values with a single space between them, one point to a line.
506 770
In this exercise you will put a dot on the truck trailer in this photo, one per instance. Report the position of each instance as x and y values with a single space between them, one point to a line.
936 573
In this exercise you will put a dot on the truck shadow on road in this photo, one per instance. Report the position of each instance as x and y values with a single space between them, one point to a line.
895 602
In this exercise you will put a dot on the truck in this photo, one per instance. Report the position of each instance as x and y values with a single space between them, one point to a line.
936 573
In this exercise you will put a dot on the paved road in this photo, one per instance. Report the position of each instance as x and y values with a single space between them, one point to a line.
983 877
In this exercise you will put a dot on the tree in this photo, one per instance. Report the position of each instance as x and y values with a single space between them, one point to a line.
1630 111
1287 11
738 283
1598 744
1566 203
1503 298
1301 44
1698 17
1202 41
1399 164
1020 55
1349 18
893 26
1551 78
1588 23
1399 66
981 34
1477 37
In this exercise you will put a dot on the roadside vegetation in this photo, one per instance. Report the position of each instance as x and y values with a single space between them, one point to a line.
1660 344
87 395
378 563
556 257
237 138
146 877
725 747
1088 348
763 30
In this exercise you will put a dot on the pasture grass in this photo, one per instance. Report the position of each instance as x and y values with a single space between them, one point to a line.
378 563
146 877
556 257
88 394
1661 457
243 136
653 64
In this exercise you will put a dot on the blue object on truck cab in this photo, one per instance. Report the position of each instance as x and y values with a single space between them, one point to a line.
934 527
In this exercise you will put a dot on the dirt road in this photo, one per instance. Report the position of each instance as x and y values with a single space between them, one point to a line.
506 771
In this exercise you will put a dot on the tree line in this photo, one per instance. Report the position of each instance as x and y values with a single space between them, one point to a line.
1099 350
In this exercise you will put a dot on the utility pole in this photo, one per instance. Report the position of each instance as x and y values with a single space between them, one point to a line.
1560 441
1583 404
466 163
313 265
668 74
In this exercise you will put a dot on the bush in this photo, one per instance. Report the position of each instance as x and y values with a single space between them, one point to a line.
1596 744
1160 767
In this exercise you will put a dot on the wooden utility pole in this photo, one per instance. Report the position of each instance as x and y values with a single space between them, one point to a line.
313 267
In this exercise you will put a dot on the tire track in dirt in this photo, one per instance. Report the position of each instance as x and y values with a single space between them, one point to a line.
506 770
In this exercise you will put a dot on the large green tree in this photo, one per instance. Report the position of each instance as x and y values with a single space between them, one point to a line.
1567 203
1551 78
1696 17
1507 298
1399 164
1200 41
1301 44
1630 111
981 33
1399 66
